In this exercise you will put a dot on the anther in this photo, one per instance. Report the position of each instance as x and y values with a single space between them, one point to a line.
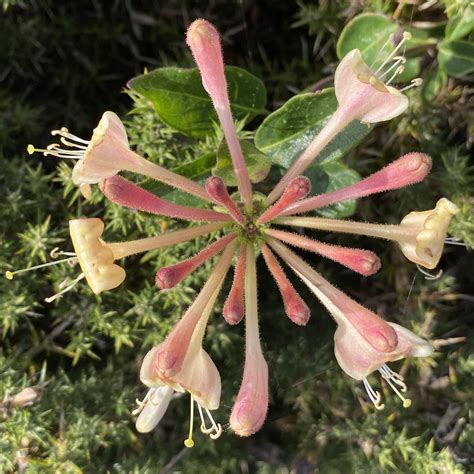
397 72
398 60
406 401
56 252
9 274
414 83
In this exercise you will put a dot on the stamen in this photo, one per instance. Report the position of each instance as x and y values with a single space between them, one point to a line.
215 430
65 290
141 403
204 428
72 144
217 427
428 275
389 40
9 275
399 59
414 83
406 401
64 132
406 37
397 72
374 396
188 442
388 373
454 241
56 252
53 150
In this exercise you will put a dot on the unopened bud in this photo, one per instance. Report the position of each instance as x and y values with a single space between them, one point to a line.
203 40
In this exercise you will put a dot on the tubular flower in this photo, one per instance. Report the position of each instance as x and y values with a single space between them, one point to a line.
362 94
108 153
242 224
420 235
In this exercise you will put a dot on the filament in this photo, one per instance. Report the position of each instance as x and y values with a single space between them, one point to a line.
406 401
399 59
188 442
406 36
454 241
414 83
398 71
374 396
390 38
428 275
64 132
9 275
70 286
388 373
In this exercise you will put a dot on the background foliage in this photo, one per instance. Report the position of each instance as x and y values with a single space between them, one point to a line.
64 63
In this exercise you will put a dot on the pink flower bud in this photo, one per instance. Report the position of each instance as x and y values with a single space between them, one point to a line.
123 192
203 40
217 190
234 309
409 169
361 261
169 277
295 308
297 189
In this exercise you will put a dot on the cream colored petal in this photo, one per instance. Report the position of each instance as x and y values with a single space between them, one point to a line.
154 409
95 258
429 230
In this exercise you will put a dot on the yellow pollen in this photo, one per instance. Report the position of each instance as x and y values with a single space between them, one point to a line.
407 35
9 275
30 149
189 443
406 403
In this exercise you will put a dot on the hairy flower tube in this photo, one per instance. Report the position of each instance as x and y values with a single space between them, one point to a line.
246 225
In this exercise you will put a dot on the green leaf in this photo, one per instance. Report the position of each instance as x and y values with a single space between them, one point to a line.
339 176
258 164
456 57
461 24
432 84
182 103
285 133
367 32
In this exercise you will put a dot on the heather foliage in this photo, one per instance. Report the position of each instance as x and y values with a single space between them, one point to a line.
69 370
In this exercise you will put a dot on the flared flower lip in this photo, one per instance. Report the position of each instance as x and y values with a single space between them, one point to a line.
80 173
366 359
95 258
355 80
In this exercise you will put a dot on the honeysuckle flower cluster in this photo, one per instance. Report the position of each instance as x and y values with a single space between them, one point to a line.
250 226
